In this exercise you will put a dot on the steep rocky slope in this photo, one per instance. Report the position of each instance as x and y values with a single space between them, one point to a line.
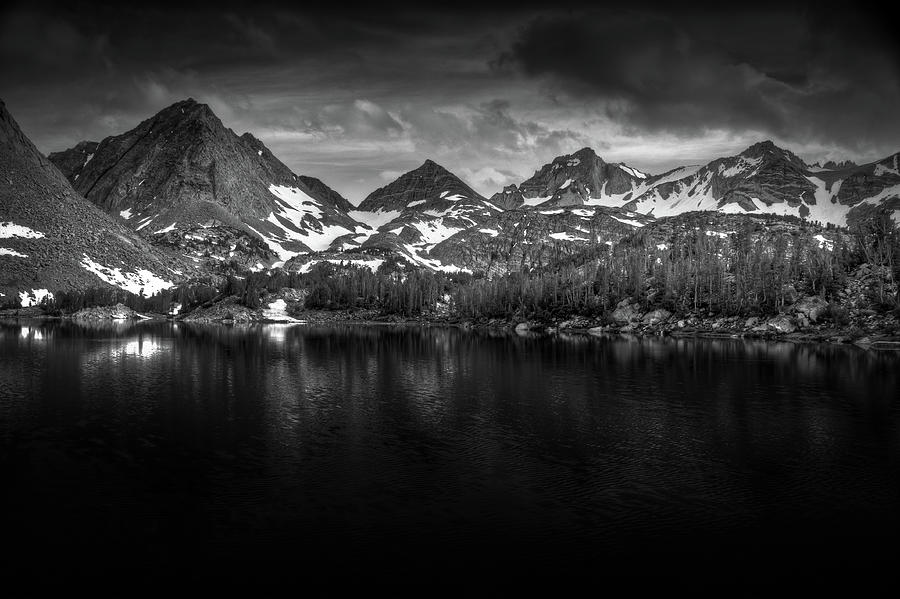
509 199
52 239
72 161
182 168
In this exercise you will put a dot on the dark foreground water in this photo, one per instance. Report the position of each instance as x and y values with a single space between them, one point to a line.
433 461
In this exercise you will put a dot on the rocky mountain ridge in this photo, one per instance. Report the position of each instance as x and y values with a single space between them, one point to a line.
572 180
182 168
182 172
52 239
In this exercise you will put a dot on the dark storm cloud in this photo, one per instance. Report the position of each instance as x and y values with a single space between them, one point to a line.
353 95
806 73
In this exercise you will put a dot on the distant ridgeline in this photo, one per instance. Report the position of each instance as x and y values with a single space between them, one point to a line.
181 214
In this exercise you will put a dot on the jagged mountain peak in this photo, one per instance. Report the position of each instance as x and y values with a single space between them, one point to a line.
430 168
764 145
832 165
585 157
768 150
509 199
586 151
188 106
182 169
189 113
577 178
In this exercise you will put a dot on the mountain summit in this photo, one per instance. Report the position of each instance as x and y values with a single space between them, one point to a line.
575 179
182 170
419 186
419 210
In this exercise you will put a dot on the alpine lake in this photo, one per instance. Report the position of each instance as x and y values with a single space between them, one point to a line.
426 461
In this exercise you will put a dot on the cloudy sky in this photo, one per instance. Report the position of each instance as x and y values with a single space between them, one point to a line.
357 97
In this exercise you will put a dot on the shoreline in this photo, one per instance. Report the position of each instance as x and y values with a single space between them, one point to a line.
833 335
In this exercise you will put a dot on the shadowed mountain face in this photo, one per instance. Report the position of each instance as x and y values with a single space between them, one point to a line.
325 193
52 239
72 161
509 199
183 168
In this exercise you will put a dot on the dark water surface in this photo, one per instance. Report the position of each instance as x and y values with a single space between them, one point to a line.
429 461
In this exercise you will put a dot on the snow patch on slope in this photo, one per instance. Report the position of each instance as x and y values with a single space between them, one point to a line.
9 230
583 212
435 231
34 297
143 223
563 236
742 165
413 254
881 169
165 230
824 242
9 252
277 312
374 219
143 282
298 220
627 221
632 171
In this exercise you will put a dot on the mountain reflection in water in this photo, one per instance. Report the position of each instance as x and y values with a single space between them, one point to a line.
242 455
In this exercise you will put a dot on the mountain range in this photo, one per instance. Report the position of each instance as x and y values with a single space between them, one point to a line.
181 194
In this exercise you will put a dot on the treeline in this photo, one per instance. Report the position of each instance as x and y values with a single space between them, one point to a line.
392 289
686 266
751 269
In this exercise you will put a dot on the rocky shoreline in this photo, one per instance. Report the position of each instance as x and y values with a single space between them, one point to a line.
809 319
